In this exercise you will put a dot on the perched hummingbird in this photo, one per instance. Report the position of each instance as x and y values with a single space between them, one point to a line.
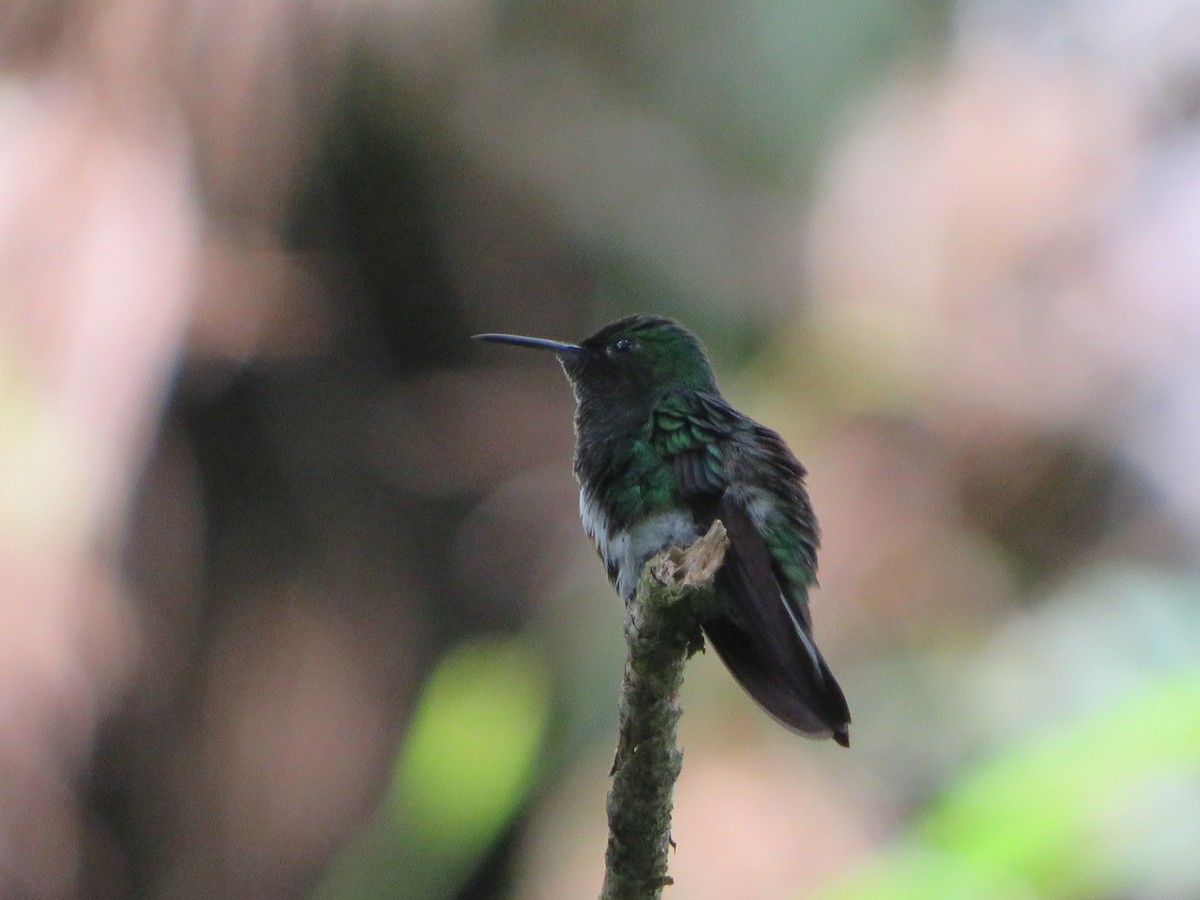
659 455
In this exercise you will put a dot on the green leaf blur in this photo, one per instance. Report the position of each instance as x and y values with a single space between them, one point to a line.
463 771
473 743
1051 818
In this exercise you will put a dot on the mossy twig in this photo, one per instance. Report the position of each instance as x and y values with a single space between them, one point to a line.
662 629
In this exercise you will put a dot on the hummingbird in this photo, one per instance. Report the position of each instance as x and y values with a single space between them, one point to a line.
659 455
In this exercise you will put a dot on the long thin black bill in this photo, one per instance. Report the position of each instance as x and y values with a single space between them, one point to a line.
522 341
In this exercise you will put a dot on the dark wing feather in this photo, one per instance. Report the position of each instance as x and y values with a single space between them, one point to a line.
761 631
766 647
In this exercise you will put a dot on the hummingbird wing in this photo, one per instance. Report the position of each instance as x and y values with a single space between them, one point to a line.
688 429
730 467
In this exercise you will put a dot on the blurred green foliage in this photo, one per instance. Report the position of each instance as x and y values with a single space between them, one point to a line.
1053 816
463 771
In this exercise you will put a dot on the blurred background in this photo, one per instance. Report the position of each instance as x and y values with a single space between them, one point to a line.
293 597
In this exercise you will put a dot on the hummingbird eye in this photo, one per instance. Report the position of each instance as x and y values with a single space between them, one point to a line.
622 347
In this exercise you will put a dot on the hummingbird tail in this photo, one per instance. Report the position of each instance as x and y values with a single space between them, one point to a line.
803 699
767 643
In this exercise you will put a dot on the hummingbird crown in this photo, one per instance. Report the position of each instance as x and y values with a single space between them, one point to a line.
640 354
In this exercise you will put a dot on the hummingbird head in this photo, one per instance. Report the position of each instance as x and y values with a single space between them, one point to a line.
619 373
630 360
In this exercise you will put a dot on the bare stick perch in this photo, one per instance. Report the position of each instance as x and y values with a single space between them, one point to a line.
662 630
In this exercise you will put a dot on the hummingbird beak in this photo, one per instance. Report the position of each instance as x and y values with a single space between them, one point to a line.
537 343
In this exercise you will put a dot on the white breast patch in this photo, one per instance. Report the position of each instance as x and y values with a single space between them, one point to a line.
627 550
